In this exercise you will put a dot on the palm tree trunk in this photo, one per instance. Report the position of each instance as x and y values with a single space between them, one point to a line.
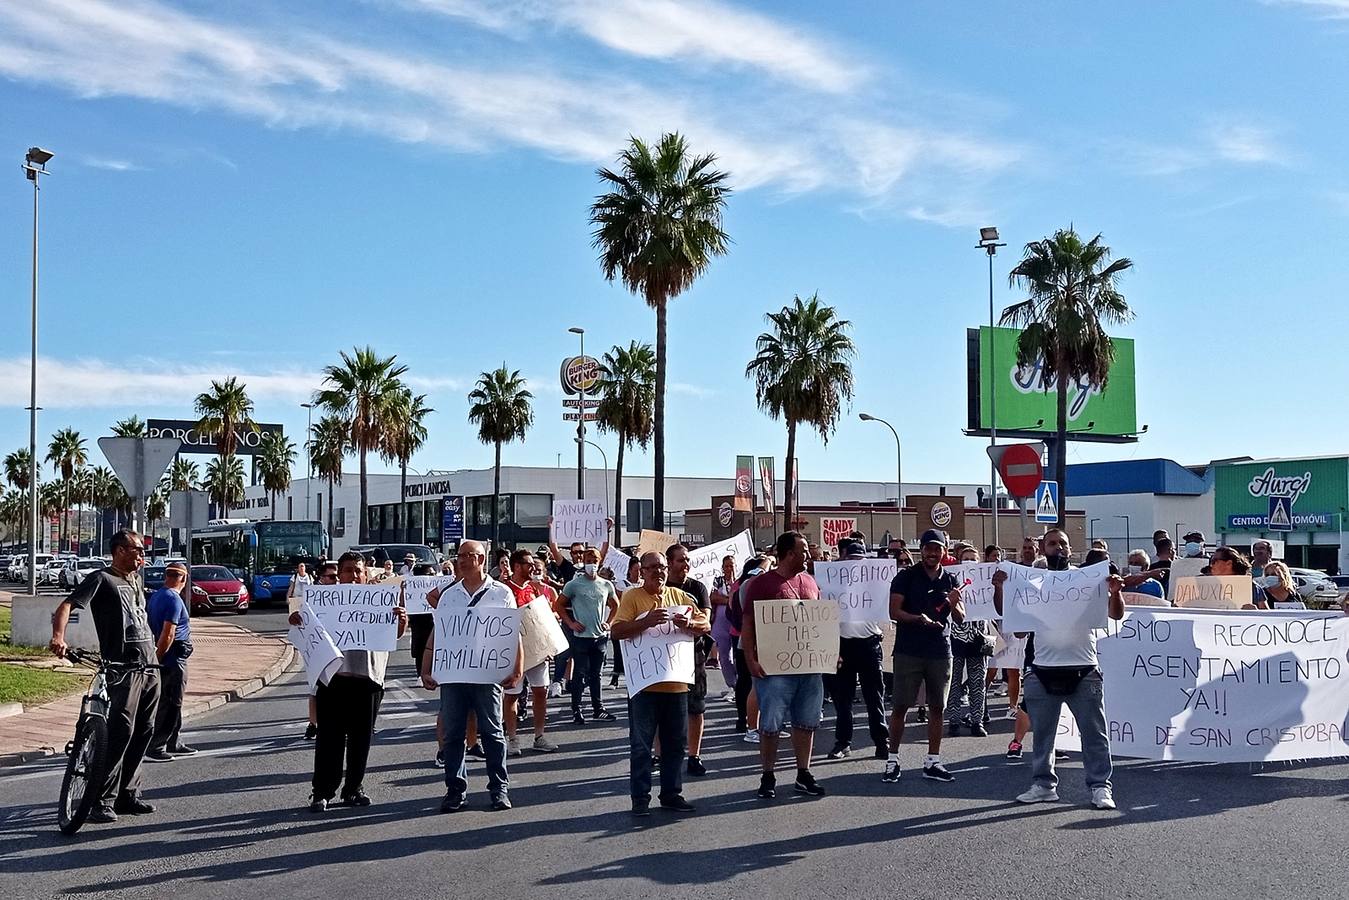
1061 449
787 497
496 493
658 439
330 518
364 530
618 494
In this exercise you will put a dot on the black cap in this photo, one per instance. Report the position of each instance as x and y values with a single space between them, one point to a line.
1194 536
932 536
851 547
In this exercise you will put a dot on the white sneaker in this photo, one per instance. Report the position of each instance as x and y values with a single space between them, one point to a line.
1102 798
1011 714
729 696
554 690
543 745
751 737
513 745
1038 793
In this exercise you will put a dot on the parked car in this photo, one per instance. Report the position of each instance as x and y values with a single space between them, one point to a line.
153 579
1341 582
1315 588
216 587
42 560
76 570
50 573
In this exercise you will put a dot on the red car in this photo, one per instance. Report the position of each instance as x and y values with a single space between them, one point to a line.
217 588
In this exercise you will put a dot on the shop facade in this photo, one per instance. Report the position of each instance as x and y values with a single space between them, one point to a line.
1302 502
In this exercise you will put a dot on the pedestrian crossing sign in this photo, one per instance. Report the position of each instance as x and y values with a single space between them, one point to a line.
1047 502
1280 517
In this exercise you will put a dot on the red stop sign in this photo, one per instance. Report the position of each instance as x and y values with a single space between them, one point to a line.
1020 469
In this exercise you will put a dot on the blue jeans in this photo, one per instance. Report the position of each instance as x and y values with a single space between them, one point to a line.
456 702
1087 704
650 713
587 655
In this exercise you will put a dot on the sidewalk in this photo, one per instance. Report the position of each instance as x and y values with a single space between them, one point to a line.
229 663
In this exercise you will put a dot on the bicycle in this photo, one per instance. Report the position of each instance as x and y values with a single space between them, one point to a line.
87 764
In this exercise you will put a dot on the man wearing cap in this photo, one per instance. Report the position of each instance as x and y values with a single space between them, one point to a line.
1194 545
409 562
171 626
923 598
859 658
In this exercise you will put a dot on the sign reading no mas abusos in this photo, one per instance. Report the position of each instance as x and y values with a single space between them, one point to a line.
249 441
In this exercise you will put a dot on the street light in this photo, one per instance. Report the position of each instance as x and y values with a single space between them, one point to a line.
1128 540
604 456
581 424
1091 529
309 454
988 242
34 164
899 465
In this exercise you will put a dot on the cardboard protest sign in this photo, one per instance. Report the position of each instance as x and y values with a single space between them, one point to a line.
1223 685
976 580
705 562
474 645
541 636
654 541
579 520
860 587
1212 591
1045 600
661 653
796 637
416 587
321 657
833 530
617 562
1133 598
358 616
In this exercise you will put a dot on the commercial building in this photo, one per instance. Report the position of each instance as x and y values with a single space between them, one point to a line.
1300 501
1125 501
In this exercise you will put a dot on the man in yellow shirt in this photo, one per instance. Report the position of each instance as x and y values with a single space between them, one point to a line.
661 707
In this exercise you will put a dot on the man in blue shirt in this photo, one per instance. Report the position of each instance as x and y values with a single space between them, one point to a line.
173 645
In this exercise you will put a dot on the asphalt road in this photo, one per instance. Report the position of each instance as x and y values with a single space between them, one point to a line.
232 822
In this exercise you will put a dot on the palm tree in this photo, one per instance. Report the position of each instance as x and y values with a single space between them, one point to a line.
327 448
276 456
502 412
362 391
156 508
627 392
405 434
224 483
14 513
225 412
67 452
1073 297
133 427
802 372
19 468
105 492
50 502
183 475
657 229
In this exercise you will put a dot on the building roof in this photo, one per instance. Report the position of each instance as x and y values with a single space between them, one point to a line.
1135 476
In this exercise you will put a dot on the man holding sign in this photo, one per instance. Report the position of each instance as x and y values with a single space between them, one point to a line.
661 707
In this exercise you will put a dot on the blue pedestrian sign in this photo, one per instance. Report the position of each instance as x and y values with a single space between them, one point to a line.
1280 514
1047 502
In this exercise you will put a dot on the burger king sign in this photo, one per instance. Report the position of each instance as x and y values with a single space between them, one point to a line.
580 374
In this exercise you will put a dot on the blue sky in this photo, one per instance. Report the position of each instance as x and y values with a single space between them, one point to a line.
246 188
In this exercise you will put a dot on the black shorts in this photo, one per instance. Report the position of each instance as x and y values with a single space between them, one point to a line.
421 625
698 690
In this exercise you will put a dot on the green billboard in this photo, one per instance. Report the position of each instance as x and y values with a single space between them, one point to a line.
1024 397
1317 490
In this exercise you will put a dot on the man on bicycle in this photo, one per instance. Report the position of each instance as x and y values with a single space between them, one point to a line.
115 597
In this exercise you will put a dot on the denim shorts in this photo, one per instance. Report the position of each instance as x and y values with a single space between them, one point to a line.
798 699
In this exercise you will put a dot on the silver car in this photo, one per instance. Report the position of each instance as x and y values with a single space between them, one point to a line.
1315 588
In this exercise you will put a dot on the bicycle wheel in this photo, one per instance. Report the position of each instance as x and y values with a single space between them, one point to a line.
83 781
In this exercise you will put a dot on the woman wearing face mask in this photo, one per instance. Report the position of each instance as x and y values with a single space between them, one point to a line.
1279 588
1226 561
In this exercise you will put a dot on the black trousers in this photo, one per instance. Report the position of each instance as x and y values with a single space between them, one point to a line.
744 683
346 708
860 659
134 698
169 718
587 656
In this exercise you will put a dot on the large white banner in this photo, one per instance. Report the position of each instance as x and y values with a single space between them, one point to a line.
705 562
416 587
860 587
321 657
358 616
1224 686
1041 600
474 645
661 653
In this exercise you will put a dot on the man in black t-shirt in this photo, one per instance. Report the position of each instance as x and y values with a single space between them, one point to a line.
115 598
677 556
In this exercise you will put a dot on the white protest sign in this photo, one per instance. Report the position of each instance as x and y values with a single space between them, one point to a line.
1223 685
661 653
1212 591
705 562
976 580
1287 604
474 645
618 562
416 587
358 616
1187 567
860 587
796 637
1068 600
321 657
1134 598
579 520
540 634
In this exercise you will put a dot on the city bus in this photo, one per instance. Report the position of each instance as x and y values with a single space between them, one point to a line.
263 554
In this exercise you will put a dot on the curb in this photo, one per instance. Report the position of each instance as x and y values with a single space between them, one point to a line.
10 709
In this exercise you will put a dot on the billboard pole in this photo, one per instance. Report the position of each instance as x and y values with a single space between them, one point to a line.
988 242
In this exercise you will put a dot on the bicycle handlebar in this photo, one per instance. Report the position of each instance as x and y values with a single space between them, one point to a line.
88 657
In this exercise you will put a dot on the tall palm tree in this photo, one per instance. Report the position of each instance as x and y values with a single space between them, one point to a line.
627 392
226 412
224 483
502 412
132 426
19 468
327 448
105 492
67 452
657 230
1072 298
802 372
14 514
276 456
50 502
362 391
183 475
156 509
405 434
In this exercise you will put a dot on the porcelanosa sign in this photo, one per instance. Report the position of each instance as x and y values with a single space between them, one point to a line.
194 441
1317 492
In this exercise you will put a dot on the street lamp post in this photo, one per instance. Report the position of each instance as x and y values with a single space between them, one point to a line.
988 242
1127 537
604 456
34 164
309 456
899 466
1091 529
581 425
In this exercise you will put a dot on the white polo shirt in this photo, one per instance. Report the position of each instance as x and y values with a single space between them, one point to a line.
491 593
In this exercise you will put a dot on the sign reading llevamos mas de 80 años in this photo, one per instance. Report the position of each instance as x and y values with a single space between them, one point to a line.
1317 491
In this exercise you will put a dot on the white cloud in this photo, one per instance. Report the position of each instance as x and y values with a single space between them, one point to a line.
111 165
95 383
1245 143
1329 9
1223 141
